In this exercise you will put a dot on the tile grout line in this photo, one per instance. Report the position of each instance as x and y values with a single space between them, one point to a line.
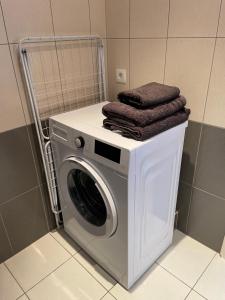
92 274
213 56
167 38
202 190
19 195
162 37
203 274
110 291
169 272
38 180
39 280
73 256
48 274
14 277
206 192
89 16
77 251
202 124
195 168
7 234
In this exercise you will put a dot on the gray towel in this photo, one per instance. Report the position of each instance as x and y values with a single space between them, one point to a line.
142 117
149 94
143 133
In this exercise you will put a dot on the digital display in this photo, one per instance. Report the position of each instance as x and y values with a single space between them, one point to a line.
107 151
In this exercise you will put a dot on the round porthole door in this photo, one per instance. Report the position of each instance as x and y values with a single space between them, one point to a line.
83 187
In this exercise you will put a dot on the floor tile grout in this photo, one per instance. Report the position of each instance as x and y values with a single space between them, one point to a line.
47 275
173 275
73 256
108 291
206 268
93 275
77 251
14 277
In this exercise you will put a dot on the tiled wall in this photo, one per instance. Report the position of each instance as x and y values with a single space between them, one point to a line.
181 42
24 207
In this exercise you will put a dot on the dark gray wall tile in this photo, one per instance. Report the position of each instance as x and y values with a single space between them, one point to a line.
50 215
190 151
207 219
24 219
17 166
183 202
210 172
5 249
36 152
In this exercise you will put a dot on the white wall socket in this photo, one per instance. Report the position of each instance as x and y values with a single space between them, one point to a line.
121 76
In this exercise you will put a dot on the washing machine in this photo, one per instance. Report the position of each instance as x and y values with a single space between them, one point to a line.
117 195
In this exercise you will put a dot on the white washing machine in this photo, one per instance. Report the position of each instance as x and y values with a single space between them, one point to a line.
118 195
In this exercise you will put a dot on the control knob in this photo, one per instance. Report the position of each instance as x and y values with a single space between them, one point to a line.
79 142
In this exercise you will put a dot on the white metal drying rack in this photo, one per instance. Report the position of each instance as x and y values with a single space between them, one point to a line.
61 73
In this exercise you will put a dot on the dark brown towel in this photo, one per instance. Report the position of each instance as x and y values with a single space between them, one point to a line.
143 133
149 94
142 117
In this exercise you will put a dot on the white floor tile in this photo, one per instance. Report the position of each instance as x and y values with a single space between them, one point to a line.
108 297
156 284
96 271
36 261
70 281
24 297
212 283
9 289
65 241
194 296
186 258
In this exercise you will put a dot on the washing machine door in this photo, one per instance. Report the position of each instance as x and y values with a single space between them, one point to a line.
93 204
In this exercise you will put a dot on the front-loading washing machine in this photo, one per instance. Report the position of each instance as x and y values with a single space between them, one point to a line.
117 195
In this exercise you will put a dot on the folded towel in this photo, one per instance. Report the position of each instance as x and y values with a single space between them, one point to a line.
149 94
142 117
143 133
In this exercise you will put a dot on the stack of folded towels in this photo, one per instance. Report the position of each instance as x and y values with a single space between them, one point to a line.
146 111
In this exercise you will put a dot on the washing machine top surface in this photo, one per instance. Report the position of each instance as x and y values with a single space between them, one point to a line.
90 121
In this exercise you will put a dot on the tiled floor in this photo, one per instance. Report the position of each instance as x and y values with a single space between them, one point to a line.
54 268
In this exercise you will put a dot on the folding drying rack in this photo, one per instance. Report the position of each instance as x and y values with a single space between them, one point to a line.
62 73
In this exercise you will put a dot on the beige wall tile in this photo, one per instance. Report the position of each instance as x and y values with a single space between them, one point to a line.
27 18
221 29
71 17
215 107
19 77
117 18
98 20
148 18
188 67
46 81
147 59
11 114
3 38
193 18
118 57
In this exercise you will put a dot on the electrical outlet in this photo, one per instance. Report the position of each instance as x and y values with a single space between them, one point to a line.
121 76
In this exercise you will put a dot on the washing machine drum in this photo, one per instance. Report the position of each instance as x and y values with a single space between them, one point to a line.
83 188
